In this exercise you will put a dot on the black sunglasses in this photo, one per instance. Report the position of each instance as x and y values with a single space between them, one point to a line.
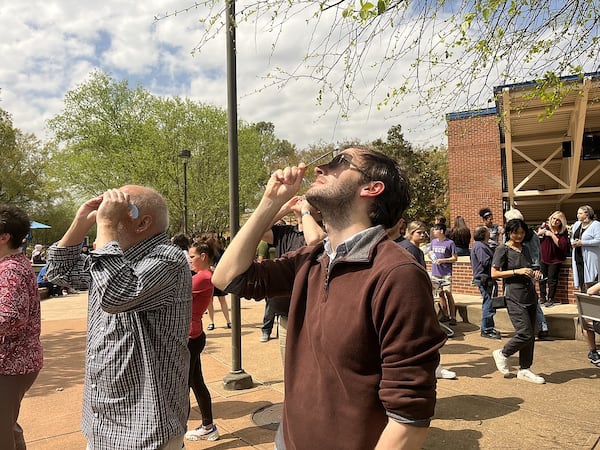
343 160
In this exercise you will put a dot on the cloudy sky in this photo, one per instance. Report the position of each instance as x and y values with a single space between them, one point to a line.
51 47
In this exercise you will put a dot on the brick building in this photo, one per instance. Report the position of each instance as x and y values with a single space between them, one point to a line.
519 154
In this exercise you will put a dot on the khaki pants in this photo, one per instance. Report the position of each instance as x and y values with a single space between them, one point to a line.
175 443
283 320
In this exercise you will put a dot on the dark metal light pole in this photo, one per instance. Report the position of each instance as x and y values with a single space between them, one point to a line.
185 154
237 378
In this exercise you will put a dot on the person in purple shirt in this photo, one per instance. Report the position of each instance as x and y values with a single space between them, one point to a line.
443 255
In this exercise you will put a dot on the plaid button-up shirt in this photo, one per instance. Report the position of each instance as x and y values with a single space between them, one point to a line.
136 391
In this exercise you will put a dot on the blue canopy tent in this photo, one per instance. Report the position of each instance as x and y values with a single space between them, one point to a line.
39 226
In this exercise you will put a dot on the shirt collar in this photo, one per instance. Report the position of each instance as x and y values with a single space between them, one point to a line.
345 247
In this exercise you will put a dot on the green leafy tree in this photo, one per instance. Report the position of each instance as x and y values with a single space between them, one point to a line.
110 134
444 52
23 167
25 181
427 171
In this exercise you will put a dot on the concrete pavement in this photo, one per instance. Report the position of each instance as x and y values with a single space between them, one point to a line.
479 410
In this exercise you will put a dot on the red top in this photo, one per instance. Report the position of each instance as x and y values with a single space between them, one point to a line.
553 254
20 317
202 294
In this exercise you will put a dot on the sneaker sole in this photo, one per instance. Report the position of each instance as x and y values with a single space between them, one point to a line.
491 336
542 381
201 438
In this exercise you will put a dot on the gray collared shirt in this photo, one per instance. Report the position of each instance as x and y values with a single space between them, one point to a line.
136 391
344 248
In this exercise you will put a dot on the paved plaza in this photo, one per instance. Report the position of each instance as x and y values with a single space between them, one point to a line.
479 410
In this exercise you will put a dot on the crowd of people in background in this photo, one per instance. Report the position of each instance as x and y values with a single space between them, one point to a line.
149 294
527 260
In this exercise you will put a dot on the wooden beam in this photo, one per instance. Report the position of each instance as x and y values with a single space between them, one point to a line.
576 127
588 176
510 179
544 193
539 167
532 142
537 112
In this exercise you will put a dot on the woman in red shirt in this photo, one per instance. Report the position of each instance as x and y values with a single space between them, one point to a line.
20 347
555 247
202 253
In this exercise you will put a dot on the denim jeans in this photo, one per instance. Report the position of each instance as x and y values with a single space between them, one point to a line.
541 318
487 312
268 318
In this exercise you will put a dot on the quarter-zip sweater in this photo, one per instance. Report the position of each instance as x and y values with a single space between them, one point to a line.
363 341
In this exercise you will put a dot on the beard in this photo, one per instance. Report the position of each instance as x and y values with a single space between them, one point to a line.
334 202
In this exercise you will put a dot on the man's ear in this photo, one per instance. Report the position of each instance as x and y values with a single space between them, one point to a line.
373 189
144 223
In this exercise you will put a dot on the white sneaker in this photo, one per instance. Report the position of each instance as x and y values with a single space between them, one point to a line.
202 434
528 375
445 374
501 362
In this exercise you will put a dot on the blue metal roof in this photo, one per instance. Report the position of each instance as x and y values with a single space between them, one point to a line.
526 84
472 113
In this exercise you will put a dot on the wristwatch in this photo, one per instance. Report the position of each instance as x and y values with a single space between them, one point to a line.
305 213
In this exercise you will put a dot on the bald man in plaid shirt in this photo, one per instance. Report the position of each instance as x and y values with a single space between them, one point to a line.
136 390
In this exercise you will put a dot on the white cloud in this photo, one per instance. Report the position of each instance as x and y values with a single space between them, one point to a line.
50 47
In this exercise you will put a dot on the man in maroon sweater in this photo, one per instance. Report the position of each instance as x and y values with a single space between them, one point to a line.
363 338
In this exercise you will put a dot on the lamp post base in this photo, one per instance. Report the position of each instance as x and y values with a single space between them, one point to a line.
236 381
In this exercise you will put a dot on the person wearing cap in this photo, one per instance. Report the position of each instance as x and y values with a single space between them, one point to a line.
496 230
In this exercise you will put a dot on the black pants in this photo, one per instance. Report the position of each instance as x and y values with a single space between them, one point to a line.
551 272
523 318
196 380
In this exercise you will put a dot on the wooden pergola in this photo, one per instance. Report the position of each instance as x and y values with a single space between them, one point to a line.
542 149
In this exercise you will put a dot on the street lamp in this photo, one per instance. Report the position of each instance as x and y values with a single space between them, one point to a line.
185 154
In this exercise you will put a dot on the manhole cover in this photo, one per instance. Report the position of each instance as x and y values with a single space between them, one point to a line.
268 417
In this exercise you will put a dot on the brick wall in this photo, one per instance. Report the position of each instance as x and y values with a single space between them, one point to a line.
462 276
475 181
475 169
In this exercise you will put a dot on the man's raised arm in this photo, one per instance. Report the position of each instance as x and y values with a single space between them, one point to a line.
82 223
240 253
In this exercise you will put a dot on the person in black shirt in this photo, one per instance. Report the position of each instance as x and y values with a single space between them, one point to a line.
415 236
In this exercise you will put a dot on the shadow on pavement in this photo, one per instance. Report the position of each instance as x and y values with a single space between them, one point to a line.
243 437
231 409
64 359
455 348
570 375
452 439
475 408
